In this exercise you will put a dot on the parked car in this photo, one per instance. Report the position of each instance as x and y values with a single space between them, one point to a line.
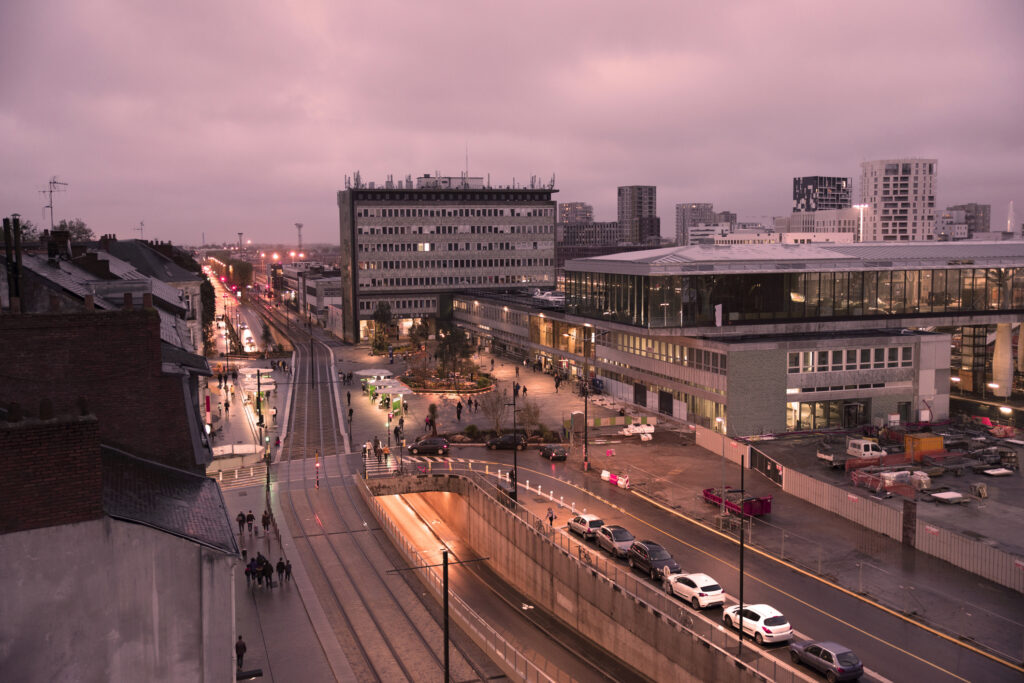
552 452
650 558
838 663
435 445
765 623
614 539
700 590
585 525
508 441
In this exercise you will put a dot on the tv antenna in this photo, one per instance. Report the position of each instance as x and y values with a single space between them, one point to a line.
139 229
53 186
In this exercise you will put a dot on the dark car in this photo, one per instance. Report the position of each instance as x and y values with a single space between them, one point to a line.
552 452
650 558
508 441
432 445
838 663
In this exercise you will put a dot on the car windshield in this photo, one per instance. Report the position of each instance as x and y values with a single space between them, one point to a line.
659 553
847 659
711 588
621 535
775 621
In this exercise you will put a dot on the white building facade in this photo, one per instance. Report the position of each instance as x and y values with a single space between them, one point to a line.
900 194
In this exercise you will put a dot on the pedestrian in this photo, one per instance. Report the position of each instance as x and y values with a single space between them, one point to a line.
273 414
280 569
241 522
458 411
524 391
517 372
551 518
248 577
277 442
268 574
401 422
220 410
350 416
397 430
240 651
250 519
492 365
265 521
348 394
288 570
245 554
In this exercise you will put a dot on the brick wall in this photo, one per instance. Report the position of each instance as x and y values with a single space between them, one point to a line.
113 359
51 473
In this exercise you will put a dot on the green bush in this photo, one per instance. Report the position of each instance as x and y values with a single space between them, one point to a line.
472 431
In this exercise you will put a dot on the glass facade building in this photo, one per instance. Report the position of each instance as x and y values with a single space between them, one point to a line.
661 301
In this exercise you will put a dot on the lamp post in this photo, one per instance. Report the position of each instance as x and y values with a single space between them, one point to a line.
515 450
721 429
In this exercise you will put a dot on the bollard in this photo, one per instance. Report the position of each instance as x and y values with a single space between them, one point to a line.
574 508
561 501
551 496
527 484
449 465
220 476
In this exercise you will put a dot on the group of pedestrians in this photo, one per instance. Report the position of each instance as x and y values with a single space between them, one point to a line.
279 365
346 379
249 520
260 571
517 387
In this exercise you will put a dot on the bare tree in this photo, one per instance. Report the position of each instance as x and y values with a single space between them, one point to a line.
529 414
494 405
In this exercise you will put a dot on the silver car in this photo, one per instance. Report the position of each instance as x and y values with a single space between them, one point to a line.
614 539
585 525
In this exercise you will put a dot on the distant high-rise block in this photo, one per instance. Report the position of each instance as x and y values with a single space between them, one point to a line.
690 215
900 194
638 213
978 217
821 193
575 212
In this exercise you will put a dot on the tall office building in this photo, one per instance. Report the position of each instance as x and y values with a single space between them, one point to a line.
821 193
900 194
575 212
977 216
411 248
690 215
638 213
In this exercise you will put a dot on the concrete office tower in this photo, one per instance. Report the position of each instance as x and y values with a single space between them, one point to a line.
690 215
900 194
412 248
575 212
977 216
638 209
821 193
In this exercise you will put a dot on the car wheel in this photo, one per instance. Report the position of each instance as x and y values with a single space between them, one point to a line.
726 620
654 574
632 565
520 447
831 677
414 451
695 602
493 447
794 656
759 639
440 451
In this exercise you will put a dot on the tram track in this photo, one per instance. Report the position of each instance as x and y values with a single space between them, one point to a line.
383 622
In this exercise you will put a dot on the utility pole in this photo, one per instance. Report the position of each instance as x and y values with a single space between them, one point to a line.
53 186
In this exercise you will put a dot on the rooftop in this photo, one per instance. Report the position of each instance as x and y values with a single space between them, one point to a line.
772 258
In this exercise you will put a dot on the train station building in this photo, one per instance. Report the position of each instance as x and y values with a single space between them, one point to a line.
758 339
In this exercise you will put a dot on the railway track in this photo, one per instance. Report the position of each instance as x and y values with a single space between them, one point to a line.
383 621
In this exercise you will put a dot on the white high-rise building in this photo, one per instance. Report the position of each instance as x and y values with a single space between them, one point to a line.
900 196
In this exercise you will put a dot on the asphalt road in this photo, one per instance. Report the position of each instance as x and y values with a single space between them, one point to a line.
891 647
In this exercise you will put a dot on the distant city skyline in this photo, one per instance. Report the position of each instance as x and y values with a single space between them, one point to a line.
250 122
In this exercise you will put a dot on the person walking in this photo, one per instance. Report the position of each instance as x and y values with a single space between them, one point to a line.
517 372
265 521
348 395
241 522
280 569
551 518
250 519
248 577
240 651
458 411
273 414
524 391
268 574
288 571
397 432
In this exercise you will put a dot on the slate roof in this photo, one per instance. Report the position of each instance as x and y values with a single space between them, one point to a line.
149 261
187 505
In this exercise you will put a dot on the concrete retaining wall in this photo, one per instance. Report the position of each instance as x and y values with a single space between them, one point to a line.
563 586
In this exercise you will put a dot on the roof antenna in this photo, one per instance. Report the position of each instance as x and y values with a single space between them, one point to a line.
53 186
139 229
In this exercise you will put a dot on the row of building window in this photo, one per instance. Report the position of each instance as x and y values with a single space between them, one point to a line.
401 304
837 360
449 213
455 230
699 359
450 246
455 263
462 281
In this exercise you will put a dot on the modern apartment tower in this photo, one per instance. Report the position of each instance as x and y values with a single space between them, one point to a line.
690 215
575 212
638 213
900 195
413 247
821 193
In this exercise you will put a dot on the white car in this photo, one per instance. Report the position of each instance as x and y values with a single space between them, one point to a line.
765 623
585 525
700 590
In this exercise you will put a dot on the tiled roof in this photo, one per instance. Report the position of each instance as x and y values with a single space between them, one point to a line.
149 261
174 501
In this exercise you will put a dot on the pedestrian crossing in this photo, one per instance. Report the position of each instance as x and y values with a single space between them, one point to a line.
411 464
242 477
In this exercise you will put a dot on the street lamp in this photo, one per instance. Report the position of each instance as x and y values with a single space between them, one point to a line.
860 236
991 385
515 450
721 428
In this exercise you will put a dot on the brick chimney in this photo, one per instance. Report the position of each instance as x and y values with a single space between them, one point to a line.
127 301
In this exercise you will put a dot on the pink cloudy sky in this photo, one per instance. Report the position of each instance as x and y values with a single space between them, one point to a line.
220 117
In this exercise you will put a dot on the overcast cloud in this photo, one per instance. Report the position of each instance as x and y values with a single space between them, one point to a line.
227 117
